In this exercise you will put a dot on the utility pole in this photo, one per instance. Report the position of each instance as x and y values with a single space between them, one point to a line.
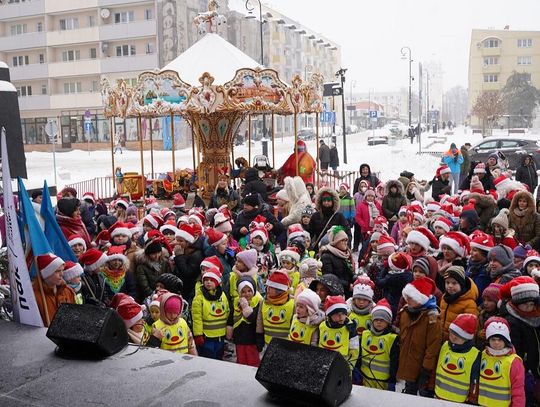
341 74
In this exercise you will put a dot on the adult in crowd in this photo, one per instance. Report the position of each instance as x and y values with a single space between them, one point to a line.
526 173
224 194
334 157
299 199
150 264
327 215
253 207
68 216
393 200
254 185
336 258
365 174
324 155
453 159
440 184
466 164
524 219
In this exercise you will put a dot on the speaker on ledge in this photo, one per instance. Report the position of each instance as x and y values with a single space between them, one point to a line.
304 374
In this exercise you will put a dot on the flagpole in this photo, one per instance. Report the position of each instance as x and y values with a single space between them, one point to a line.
45 307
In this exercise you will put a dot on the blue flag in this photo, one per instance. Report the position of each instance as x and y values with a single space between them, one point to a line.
53 233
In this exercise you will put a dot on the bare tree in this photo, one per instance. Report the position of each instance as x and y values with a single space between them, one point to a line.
489 107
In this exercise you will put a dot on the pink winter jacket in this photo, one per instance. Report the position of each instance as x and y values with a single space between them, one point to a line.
362 215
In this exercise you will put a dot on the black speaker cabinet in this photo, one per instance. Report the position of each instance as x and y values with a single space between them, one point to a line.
87 331
304 374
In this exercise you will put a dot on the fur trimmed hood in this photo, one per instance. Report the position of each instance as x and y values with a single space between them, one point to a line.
395 183
531 205
335 198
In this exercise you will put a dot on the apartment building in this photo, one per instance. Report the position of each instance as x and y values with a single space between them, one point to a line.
495 54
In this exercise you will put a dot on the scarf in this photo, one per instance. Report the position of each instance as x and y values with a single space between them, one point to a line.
258 248
74 226
76 287
385 331
212 295
345 255
361 311
520 212
475 267
252 272
502 352
114 278
430 305
278 300
531 318
501 271
373 212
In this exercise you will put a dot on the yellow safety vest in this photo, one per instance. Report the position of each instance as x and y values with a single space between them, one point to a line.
233 289
175 337
294 276
334 338
300 332
213 316
238 318
363 322
495 385
375 353
453 378
277 320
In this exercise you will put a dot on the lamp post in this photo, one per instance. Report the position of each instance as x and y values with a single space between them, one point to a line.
341 75
406 52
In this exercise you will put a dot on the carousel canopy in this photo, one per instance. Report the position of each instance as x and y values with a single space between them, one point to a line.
211 54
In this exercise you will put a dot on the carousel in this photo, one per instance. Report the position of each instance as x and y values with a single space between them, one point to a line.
214 87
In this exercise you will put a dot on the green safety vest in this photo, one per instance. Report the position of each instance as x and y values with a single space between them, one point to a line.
495 386
277 320
375 354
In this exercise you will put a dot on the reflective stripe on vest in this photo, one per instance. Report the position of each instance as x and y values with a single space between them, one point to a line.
334 338
363 322
277 320
238 317
300 332
175 337
453 378
214 316
495 388
375 353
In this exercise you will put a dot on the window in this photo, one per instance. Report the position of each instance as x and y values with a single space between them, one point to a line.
491 61
128 81
527 60
72 87
509 144
124 17
491 43
39 27
125 50
491 78
24 91
71 23
93 53
91 21
21 60
150 48
525 43
18 29
94 86
43 89
488 145
149 14
72 55
41 58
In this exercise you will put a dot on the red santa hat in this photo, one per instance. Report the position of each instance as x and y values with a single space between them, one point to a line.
169 225
153 220
386 245
335 303
443 169
381 220
345 186
222 223
464 326
480 168
215 237
187 232
151 202
419 290
422 236
93 259
482 241
382 310
213 269
465 193
48 263
72 270
497 326
117 253
520 290
122 203
178 201
443 223
89 196
457 241
290 253
363 288
400 261
119 229
279 280
129 311
295 230
197 216
76 239
532 255
433 206
103 238
259 231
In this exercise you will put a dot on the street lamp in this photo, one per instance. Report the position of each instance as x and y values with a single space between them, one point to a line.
406 51
341 74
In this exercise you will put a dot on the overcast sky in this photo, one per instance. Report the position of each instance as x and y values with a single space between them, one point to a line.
371 33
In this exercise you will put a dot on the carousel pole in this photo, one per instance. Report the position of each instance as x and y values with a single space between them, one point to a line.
139 131
113 178
249 140
151 150
172 145
193 147
296 141
273 144
317 145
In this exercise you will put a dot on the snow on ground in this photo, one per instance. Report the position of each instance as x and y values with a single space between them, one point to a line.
77 165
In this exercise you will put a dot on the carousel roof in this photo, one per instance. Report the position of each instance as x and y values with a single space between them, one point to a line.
211 54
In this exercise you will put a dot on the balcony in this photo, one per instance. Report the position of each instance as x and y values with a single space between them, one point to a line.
491 69
128 64
71 5
29 72
36 102
136 29
70 37
486 86
73 101
21 10
108 3
74 68
491 52
23 41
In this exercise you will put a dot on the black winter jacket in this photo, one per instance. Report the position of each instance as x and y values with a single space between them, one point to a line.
392 202
372 179
526 174
187 267
254 185
332 216
440 187
332 264
146 275
244 218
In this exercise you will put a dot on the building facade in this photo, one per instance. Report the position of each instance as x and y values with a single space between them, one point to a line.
59 50
495 54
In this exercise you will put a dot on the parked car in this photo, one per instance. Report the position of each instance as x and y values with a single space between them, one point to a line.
306 133
373 140
351 129
512 147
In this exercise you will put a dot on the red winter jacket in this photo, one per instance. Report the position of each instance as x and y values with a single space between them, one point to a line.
362 215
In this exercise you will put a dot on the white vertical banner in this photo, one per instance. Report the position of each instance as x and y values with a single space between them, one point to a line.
25 308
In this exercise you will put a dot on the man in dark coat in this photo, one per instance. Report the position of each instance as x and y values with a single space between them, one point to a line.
365 174
393 200
253 207
526 173
324 155
334 157
254 185
327 215
466 164
440 184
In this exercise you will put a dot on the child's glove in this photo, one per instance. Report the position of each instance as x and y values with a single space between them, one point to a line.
247 311
242 302
423 378
259 341
199 340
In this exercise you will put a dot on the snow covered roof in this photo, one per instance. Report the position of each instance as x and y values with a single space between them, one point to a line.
211 54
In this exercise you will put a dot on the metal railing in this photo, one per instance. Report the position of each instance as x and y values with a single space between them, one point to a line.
101 187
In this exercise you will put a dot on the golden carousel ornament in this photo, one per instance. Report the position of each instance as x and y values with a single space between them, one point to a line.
214 87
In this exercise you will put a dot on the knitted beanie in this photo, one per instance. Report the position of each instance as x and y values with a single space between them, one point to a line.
422 264
457 273
492 292
501 219
382 310
310 299
521 289
503 254
520 251
498 326
336 234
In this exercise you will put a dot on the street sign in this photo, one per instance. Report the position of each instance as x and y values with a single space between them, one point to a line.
373 114
332 89
351 107
328 117
50 128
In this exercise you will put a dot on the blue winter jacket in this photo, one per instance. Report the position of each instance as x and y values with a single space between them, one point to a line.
454 163
478 273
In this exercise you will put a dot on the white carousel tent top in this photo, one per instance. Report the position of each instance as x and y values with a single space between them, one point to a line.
212 54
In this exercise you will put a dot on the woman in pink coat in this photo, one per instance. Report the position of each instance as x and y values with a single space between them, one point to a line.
366 212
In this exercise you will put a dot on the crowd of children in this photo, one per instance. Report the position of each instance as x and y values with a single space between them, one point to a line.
433 299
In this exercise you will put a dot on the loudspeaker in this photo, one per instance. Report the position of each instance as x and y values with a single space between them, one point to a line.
87 331
304 374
